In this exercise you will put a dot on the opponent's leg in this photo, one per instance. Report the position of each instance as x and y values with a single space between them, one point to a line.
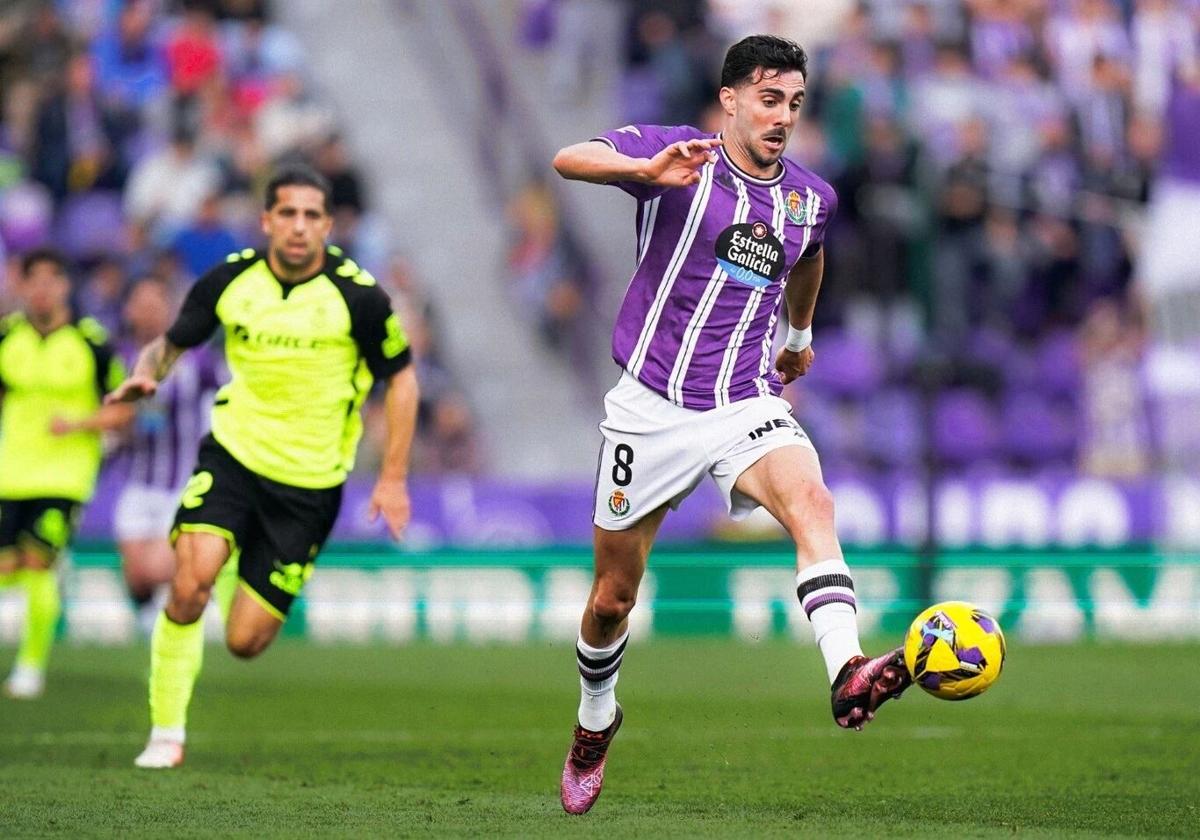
620 561
787 481
146 564
177 645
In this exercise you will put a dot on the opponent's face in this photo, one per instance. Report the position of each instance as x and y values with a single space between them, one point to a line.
148 311
761 114
297 227
45 290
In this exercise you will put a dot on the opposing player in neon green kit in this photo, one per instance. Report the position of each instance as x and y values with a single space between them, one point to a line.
54 370
306 333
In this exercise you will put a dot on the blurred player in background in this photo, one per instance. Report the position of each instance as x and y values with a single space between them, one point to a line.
54 371
726 226
161 449
306 333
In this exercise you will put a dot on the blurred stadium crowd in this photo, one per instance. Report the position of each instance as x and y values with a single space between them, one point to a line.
994 160
135 136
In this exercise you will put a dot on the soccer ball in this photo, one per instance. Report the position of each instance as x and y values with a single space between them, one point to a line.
954 650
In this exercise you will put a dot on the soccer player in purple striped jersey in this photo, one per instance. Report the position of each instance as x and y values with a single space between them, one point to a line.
729 232
160 450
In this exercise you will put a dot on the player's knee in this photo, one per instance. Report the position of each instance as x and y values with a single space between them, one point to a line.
246 644
812 506
613 602
188 599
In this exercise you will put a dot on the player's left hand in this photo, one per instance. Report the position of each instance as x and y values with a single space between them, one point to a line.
792 366
390 498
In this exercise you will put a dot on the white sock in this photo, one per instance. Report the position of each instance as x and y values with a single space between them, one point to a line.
826 591
598 682
174 734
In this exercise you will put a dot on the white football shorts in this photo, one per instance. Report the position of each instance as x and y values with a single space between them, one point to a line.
144 512
656 452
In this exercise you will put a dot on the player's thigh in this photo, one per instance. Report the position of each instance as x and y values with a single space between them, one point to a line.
649 458
765 456
293 524
219 500
619 557
787 481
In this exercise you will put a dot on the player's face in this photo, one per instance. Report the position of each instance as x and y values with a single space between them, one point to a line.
762 114
45 290
148 311
297 227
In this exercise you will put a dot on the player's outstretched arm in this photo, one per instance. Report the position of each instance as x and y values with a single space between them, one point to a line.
677 165
390 496
804 282
152 366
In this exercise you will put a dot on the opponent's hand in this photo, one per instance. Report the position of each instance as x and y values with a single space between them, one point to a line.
132 389
792 366
390 498
678 165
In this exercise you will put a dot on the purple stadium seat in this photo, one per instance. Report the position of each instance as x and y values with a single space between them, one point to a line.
25 213
894 432
1057 361
1036 429
846 366
90 224
965 428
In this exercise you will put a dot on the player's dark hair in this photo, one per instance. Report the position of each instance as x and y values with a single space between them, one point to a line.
298 175
49 255
771 54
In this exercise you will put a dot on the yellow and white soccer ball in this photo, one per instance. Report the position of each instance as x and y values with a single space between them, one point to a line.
954 650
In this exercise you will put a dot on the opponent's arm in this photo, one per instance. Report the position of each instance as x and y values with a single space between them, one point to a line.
152 366
804 282
596 162
390 496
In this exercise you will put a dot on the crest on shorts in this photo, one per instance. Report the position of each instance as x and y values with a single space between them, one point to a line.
618 503
796 208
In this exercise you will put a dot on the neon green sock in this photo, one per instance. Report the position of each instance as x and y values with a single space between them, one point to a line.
225 586
176 653
41 617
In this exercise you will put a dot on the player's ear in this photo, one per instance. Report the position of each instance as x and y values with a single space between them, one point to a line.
728 97
265 222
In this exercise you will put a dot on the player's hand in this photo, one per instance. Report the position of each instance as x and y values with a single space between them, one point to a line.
60 426
132 389
792 366
678 165
390 498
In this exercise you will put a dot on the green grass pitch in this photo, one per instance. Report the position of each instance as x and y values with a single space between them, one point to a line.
720 739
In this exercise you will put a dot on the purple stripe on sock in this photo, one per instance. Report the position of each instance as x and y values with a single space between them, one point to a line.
832 598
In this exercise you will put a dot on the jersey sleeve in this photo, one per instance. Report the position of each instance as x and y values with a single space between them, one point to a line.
110 367
377 331
825 214
198 319
644 141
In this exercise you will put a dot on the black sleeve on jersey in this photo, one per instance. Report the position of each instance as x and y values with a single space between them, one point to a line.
370 311
811 251
198 319
109 369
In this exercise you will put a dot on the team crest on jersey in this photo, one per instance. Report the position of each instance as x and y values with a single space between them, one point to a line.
750 253
797 209
618 503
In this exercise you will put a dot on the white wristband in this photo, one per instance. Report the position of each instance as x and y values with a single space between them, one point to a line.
797 340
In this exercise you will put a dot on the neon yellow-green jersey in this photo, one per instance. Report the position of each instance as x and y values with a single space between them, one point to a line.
64 374
302 357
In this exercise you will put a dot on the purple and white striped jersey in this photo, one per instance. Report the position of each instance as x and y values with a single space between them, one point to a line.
161 451
698 320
